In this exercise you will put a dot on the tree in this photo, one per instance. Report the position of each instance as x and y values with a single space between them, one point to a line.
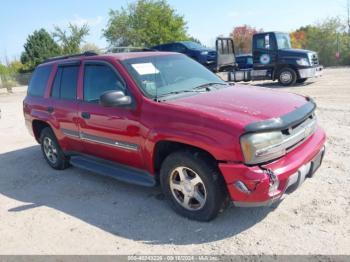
242 37
298 38
144 24
90 47
39 46
325 38
70 43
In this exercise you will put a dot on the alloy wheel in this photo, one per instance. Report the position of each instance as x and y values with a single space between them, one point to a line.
188 188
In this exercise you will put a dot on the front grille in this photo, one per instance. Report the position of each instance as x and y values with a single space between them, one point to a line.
297 134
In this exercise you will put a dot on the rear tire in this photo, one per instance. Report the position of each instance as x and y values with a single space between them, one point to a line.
287 76
193 185
51 150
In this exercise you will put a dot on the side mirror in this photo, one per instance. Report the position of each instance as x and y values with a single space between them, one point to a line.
115 98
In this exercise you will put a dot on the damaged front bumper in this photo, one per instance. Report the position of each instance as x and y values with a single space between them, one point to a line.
253 186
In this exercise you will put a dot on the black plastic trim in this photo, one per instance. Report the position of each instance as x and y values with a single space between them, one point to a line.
113 170
285 121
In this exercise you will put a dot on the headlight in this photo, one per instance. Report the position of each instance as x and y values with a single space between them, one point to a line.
262 147
303 62
204 53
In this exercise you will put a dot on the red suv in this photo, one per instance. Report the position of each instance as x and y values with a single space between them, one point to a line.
149 117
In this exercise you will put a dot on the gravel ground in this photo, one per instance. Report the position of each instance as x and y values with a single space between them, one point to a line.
43 211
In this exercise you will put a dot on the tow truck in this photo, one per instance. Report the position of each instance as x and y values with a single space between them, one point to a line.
273 59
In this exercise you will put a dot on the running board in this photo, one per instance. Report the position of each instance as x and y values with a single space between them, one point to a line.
119 172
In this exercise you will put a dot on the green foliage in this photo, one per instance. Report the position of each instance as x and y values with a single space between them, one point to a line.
3 69
39 46
90 47
70 43
145 23
323 38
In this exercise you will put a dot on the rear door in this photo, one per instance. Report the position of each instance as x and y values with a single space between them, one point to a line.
64 105
111 133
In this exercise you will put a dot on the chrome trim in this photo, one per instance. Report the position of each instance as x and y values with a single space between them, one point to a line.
310 72
70 133
108 142
290 141
299 134
100 140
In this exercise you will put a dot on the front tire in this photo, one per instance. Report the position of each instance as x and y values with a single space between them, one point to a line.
287 76
51 150
193 185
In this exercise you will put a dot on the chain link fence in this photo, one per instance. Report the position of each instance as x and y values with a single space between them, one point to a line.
8 81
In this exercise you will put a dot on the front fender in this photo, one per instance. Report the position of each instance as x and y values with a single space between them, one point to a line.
223 149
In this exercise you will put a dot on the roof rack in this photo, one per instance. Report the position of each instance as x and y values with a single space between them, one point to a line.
87 53
128 49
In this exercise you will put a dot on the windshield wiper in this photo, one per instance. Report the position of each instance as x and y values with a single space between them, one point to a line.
198 89
177 92
207 85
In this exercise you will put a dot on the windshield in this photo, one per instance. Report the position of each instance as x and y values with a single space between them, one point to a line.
283 41
193 45
160 75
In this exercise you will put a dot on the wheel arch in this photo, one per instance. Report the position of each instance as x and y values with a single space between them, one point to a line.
164 148
38 126
278 69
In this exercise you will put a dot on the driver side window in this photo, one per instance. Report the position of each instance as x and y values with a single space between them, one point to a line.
263 42
99 78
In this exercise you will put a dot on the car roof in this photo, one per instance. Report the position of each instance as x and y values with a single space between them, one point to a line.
115 56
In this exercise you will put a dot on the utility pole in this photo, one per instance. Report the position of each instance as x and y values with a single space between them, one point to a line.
348 10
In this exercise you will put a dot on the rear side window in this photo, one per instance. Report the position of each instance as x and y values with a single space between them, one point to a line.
39 81
99 78
56 87
65 83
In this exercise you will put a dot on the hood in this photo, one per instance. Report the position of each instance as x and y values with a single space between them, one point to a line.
241 105
295 52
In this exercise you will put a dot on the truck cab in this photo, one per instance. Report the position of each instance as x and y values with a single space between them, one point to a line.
275 59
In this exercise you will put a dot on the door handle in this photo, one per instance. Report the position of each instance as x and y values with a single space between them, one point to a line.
85 115
50 109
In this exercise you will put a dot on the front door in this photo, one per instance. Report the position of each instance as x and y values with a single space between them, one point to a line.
111 133
264 51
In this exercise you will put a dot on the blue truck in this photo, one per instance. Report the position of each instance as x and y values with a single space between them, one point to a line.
273 59
198 52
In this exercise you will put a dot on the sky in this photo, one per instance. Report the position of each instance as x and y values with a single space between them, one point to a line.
206 19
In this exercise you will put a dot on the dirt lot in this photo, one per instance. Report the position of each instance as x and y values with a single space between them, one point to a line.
43 211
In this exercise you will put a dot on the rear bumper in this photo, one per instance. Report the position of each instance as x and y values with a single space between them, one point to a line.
290 172
313 72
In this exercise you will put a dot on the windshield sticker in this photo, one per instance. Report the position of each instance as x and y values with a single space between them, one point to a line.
145 69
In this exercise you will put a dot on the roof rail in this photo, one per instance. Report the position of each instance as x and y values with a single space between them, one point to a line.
127 49
86 53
